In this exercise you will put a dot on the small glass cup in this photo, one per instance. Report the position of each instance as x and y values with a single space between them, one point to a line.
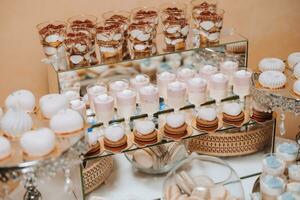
139 81
145 14
110 40
241 84
149 100
126 104
176 93
197 89
94 90
163 79
116 86
104 108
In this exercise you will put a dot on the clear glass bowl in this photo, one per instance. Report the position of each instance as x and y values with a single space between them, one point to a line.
200 173
157 159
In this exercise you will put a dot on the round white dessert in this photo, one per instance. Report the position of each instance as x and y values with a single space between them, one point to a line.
50 104
175 120
145 126
271 185
208 114
232 109
272 79
271 64
21 99
273 165
293 59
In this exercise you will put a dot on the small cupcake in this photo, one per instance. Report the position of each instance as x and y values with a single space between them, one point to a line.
233 114
5 148
273 165
296 87
294 172
271 186
288 196
115 138
287 151
175 126
272 79
297 70
271 64
145 132
293 187
207 119
293 59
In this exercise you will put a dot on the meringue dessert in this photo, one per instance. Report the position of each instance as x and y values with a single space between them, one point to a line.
241 83
293 59
271 64
233 114
38 143
15 122
163 79
176 94
66 121
271 186
218 85
207 119
175 126
50 104
184 74
149 99
296 87
115 138
5 148
287 151
272 79
145 132
104 108
22 99
197 90
273 165
126 103
294 172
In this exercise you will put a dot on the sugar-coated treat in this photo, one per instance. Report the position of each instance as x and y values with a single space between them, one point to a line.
288 196
175 120
22 99
5 148
66 121
293 59
293 187
271 64
15 122
287 151
271 185
272 79
294 172
145 126
296 87
114 133
232 109
50 104
273 165
38 142
297 70
143 158
208 114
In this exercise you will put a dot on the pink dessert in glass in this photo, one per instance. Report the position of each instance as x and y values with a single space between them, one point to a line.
184 74
241 83
197 90
149 99
176 94
229 68
126 103
218 86
138 82
94 90
206 71
163 79
104 108
117 86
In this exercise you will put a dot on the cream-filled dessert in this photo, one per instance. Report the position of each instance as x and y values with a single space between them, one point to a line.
138 82
197 90
241 83
50 104
293 59
145 132
21 99
271 186
117 86
184 74
207 71
38 143
207 119
294 172
271 64
66 121
94 90
175 126
104 108
297 70
15 122
233 114
273 165
293 187
126 103
78 106
115 137
229 68
5 148
287 151
176 94
218 86
296 87
163 79
149 99
272 79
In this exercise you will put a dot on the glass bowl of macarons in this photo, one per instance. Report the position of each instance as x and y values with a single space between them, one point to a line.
202 177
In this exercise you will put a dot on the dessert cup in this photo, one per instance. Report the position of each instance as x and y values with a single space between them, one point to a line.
79 106
273 165
149 100
199 6
104 108
110 39
218 88
206 72
117 86
176 95
287 151
294 173
94 90
241 83
145 14
197 91
271 186
126 104
163 79
229 67
184 74
137 82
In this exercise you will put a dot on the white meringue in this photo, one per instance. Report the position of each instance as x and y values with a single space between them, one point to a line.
232 109
208 114
23 99
271 64
114 133
144 127
272 79
50 104
175 120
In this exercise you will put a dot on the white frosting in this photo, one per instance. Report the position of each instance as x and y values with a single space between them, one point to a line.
186 72
207 25
22 99
118 85
197 81
166 75
5 148
271 64
272 79
219 77
232 109
144 127
175 120
208 114
76 59
242 73
296 87
97 89
140 78
114 133
66 121
102 98
293 59
38 142
16 122
297 70
149 89
50 104
176 86
230 64
126 93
